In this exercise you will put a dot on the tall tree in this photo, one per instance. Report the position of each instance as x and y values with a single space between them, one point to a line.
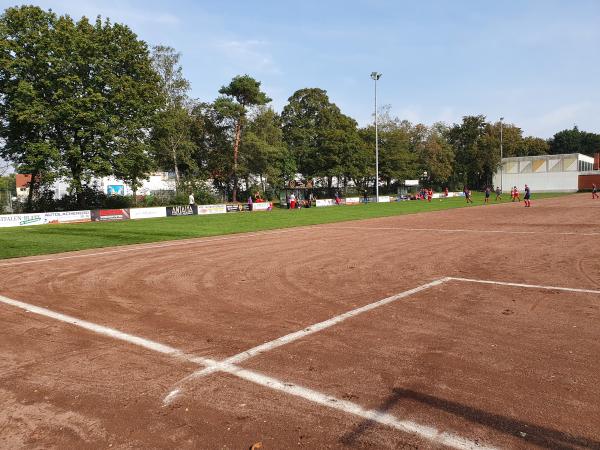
243 92
172 143
173 85
107 89
470 162
318 135
27 84
436 155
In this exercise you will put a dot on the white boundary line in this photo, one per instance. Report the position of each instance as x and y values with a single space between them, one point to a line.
460 230
530 286
267 346
407 426
109 332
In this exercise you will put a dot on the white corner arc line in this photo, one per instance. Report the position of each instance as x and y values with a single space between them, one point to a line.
109 332
523 285
423 431
291 337
465 230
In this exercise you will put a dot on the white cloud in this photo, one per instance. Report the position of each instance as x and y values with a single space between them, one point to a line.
250 55
583 114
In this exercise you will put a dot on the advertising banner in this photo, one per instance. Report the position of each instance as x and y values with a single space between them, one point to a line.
109 215
352 200
148 213
22 220
115 189
233 208
384 199
262 206
182 210
68 216
325 202
212 209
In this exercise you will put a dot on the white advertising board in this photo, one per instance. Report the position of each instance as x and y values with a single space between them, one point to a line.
68 216
23 220
384 199
262 206
147 213
352 200
212 209
325 202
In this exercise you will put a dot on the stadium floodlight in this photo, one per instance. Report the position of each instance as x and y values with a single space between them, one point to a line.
501 154
376 76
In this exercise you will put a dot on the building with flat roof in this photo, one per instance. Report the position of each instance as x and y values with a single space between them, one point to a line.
544 173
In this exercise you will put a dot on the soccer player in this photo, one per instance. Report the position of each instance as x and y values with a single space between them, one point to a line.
516 195
467 193
487 195
527 197
498 193
594 191
429 195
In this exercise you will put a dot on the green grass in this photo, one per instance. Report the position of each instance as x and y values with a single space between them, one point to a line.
44 239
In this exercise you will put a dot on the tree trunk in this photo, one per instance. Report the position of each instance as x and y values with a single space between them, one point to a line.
174 153
236 145
31 189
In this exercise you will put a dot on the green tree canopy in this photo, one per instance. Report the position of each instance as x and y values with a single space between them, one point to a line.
241 93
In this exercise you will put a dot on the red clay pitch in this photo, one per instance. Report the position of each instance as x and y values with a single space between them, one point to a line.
499 366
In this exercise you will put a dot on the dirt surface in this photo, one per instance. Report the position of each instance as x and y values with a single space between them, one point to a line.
498 365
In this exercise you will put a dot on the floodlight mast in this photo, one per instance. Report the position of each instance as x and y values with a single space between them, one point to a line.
501 164
375 76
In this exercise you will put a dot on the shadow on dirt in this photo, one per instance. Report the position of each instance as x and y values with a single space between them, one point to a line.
524 431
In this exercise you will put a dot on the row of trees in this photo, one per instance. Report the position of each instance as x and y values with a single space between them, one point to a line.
80 100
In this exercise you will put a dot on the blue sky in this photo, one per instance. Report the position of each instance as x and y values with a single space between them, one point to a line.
537 63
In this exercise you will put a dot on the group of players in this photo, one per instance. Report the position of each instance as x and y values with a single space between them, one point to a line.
514 193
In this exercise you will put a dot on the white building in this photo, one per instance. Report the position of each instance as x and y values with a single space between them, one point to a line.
158 181
544 173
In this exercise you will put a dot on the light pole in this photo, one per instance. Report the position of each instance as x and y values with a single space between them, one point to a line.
375 76
501 165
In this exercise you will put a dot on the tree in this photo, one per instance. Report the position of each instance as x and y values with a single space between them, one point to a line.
533 146
263 152
472 160
243 92
575 141
173 85
133 162
436 155
106 91
27 72
172 143
322 140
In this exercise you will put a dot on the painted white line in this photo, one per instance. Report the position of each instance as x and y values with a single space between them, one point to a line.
109 332
429 433
530 286
175 243
267 346
465 230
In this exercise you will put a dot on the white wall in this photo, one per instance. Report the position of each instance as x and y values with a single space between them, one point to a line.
539 182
